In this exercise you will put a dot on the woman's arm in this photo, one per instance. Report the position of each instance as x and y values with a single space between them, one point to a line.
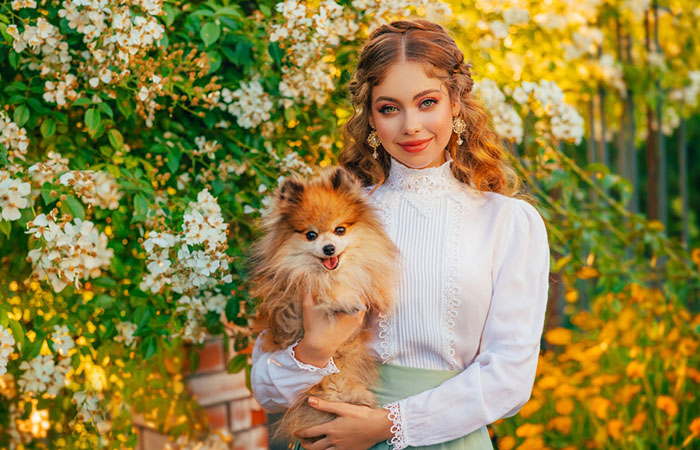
278 378
499 381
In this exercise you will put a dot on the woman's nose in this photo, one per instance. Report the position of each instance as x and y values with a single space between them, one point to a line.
411 123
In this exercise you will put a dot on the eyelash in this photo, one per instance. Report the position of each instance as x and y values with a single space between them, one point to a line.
383 109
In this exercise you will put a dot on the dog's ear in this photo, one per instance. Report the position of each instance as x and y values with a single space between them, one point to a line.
341 179
291 191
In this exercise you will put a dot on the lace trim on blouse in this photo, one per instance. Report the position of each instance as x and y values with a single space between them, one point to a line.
398 441
329 369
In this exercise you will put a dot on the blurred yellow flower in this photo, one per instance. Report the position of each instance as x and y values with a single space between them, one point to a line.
571 296
585 320
667 404
532 444
687 346
635 369
638 421
562 424
531 407
694 431
506 443
548 382
564 406
587 272
615 427
696 256
625 394
694 374
600 406
559 336
528 430
564 390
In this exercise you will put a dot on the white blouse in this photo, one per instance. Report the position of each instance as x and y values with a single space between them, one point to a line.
472 297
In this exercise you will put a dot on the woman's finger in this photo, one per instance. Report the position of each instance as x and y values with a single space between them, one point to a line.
312 432
321 444
338 408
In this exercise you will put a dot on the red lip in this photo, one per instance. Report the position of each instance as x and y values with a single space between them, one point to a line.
415 146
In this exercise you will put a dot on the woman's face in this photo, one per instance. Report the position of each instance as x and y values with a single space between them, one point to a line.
413 114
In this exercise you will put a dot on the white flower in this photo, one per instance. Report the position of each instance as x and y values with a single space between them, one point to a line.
14 195
251 104
126 333
62 341
7 346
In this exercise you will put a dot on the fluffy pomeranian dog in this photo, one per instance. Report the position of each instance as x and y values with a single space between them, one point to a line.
322 238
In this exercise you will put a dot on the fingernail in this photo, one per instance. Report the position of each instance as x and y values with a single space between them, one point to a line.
313 401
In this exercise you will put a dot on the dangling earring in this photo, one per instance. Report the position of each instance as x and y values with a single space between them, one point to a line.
459 127
373 141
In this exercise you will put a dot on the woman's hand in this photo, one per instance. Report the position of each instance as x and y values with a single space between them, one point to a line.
323 336
355 428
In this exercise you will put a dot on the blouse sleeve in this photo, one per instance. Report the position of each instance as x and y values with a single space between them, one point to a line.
499 381
278 378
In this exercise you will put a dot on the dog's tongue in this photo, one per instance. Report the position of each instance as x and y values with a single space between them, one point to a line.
330 263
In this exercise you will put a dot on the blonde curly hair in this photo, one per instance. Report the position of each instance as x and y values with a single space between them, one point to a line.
480 160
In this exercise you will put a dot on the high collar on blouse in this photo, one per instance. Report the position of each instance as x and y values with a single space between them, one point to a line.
428 183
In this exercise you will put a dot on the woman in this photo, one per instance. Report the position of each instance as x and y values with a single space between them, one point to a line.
461 349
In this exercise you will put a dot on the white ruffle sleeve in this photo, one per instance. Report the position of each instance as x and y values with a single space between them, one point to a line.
499 381
278 378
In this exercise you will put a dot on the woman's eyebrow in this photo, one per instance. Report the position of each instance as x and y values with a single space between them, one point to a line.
420 94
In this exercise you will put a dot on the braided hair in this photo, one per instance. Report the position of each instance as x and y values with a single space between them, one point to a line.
479 161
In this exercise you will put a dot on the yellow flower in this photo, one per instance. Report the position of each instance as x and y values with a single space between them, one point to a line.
587 272
564 390
564 406
687 346
695 427
694 374
562 424
667 404
600 406
530 408
532 444
627 393
638 421
506 443
635 369
585 320
615 427
696 256
559 336
528 430
548 382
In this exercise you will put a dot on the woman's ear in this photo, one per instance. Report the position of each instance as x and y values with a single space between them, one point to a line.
371 121
455 109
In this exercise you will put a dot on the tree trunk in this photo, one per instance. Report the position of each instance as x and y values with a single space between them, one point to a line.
660 140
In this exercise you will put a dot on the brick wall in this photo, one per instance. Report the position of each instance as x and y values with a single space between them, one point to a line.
226 399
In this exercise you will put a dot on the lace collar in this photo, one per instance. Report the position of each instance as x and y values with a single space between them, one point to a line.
429 183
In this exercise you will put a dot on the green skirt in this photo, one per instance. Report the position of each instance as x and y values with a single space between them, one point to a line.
398 382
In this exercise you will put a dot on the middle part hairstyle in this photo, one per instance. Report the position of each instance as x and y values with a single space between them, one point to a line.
479 161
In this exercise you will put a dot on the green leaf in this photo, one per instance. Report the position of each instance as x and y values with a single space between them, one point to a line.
170 14
265 10
92 119
237 363
75 207
21 115
174 160
230 11
275 52
5 227
232 308
149 347
210 33
141 315
214 58
140 208
46 189
17 333
115 138
14 59
106 109
48 127
82 101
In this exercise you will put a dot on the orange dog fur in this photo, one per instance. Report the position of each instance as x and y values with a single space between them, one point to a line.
323 238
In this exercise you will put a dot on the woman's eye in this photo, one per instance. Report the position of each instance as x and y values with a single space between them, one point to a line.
339 231
428 102
387 109
311 235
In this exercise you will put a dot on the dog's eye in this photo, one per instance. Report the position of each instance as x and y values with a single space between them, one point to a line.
311 235
339 231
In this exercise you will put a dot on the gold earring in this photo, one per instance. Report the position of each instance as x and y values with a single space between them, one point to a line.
373 141
459 127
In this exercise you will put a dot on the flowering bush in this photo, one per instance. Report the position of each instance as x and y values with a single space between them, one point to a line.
139 141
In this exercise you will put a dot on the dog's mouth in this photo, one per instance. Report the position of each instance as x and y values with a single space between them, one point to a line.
331 263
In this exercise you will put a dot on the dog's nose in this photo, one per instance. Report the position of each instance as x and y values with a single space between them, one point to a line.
329 249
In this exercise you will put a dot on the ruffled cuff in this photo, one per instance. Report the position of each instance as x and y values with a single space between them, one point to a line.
329 369
398 441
